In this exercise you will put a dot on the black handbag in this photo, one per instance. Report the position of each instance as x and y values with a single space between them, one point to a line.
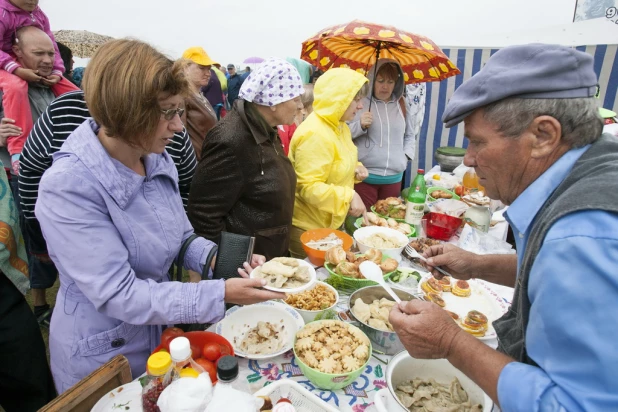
234 251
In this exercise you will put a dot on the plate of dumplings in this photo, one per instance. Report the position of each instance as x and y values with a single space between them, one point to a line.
284 274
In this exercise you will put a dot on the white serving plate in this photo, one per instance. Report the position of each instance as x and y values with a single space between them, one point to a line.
483 298
293 290
239 319
128 395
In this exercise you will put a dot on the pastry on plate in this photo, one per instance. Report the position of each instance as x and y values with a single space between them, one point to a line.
461 288
446 283
431 285
436 298
475 323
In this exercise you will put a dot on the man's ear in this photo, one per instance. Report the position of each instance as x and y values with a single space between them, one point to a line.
547 133
16 50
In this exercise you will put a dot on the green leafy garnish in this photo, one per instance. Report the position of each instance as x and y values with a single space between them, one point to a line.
327 314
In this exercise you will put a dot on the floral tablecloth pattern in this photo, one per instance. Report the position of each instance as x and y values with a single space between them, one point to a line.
356 397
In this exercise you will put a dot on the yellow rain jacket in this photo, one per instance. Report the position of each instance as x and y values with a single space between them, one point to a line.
323 154
221 77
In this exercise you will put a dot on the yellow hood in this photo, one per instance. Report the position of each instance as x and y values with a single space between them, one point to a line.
334 92
323 154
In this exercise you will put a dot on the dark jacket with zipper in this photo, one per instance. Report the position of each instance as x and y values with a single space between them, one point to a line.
244 183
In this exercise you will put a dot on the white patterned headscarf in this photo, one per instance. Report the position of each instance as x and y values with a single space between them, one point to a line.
274 81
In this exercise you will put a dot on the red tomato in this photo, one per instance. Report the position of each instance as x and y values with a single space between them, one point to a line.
225 350
208 367
196 352
168 335
211 351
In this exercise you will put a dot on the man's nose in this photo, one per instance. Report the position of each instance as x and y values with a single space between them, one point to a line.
469 159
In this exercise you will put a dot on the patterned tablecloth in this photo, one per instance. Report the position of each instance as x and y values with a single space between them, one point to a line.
357 396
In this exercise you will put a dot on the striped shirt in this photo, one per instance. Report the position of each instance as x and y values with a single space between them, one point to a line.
55 125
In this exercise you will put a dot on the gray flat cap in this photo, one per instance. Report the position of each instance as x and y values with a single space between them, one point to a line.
531 71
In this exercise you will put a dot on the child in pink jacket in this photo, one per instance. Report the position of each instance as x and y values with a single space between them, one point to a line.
15 14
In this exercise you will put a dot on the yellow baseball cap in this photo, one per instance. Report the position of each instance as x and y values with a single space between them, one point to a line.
198 56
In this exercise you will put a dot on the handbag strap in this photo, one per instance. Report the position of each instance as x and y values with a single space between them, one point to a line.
180 260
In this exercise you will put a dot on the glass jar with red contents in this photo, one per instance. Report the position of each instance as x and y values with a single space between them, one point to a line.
158 377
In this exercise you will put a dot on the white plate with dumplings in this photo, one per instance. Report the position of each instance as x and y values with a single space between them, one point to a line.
239 321
287 275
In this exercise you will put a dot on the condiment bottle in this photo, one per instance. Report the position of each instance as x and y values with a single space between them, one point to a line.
470 181
159 371
180 351
227 374
479 217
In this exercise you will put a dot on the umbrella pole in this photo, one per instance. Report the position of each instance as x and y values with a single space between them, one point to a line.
375 75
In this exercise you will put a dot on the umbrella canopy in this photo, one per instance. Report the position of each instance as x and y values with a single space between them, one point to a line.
253 59
81 42
358 45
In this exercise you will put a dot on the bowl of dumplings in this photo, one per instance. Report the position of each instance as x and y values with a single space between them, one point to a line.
370 307
331 353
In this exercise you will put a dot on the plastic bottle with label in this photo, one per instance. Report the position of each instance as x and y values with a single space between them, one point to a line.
479 217
417 195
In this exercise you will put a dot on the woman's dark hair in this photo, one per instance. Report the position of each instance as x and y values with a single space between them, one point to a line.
67 57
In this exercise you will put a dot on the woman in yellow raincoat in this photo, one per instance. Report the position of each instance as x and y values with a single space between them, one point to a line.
325 158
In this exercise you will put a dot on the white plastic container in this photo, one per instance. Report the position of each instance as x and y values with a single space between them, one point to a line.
301 398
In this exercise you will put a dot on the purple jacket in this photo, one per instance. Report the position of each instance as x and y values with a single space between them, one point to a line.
212 91
13 18
113 236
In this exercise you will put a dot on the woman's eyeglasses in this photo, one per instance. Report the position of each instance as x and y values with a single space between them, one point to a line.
170 113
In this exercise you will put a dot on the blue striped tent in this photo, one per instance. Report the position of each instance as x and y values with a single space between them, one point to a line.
470 61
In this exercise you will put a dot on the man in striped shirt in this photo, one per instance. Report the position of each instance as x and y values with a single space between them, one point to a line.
50 131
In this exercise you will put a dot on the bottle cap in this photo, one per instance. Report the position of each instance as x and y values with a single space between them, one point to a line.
227 368
180 349
189 373
159 363
421 171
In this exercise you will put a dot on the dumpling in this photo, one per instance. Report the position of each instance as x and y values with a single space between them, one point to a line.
361 310
287 261
378 324
275 268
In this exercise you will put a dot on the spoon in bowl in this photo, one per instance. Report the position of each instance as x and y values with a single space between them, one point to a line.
371 271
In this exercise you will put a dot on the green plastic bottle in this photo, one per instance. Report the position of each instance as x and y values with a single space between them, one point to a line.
417 195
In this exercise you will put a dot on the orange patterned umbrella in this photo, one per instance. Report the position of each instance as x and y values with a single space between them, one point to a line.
358 45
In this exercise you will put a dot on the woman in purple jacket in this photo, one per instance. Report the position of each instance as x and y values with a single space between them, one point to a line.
111 214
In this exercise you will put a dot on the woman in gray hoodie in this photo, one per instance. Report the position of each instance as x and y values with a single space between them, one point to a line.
384 136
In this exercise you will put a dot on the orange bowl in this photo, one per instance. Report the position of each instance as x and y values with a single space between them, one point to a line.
316 257
201 338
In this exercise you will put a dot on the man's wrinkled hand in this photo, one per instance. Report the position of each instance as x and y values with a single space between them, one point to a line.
426 330
456 261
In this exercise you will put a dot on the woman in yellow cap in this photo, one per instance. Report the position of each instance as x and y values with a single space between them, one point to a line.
199 117
325 158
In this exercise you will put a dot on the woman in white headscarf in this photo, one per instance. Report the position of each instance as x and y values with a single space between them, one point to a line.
244 182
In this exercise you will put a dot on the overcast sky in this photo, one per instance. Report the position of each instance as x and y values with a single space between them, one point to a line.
232 30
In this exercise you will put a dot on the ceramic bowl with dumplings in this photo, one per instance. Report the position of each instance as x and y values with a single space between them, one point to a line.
332 381
381 340
403 368
363 235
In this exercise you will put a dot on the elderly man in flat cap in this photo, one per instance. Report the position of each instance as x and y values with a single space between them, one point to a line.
535 140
